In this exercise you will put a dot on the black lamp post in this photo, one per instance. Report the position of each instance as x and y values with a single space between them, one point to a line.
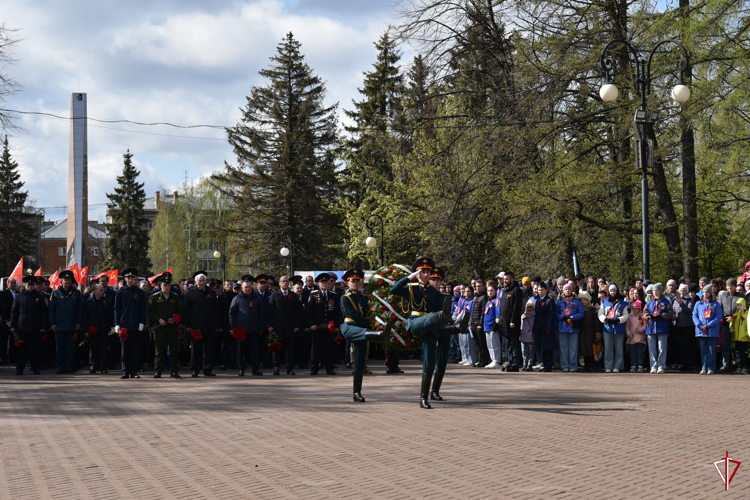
371 241
644 151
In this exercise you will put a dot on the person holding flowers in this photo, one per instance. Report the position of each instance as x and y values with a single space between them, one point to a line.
429 309
131 316
164 311
246 313
323 308
28 322
356 326
97 322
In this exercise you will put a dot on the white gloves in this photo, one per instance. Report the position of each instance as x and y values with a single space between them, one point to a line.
140 327
413 275
117 329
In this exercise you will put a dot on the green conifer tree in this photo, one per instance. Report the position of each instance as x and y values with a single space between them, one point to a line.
16 238
127 236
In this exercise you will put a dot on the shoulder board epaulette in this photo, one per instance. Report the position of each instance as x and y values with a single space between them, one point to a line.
314 291
414 284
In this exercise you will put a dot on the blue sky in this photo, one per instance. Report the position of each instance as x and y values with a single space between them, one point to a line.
178 61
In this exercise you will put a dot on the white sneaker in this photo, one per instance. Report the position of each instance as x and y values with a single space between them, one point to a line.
703 372
607 371
616 370
710 372
632 369
640 369
565 370
492 365
653 370
466 363
660 370
744 371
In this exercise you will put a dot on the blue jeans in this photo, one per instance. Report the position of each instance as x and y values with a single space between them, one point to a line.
468 348
657 350
613 348
636 354
66 348
708 352
528 353
568 351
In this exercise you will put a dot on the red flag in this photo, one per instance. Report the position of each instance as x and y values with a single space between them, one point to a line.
39 272
18 271
74 268
152 278
113 275
84 275
54 280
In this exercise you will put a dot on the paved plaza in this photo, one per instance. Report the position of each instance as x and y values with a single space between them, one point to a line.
496 435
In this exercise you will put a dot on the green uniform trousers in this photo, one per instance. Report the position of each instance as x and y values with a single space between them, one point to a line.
356 335
162 336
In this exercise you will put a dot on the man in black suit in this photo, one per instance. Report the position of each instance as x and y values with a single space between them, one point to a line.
7 296
283 307
324 307
200 313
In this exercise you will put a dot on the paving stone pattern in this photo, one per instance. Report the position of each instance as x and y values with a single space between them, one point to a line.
496 435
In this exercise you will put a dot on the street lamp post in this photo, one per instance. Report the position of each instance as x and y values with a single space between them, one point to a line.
371 241
609 93
288 251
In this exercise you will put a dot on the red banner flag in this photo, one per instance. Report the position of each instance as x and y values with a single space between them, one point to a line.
54 280
18 271
84 275
113 275
152 278
38 272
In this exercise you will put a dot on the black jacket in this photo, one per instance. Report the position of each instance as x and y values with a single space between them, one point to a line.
29 313
283 313
200 310
96 313
225 300
477 313
511 308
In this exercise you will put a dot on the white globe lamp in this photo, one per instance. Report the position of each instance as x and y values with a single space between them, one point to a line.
608 92
681 93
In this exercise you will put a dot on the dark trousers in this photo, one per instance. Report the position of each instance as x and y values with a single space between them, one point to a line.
322 350
742 347
163 337
441 352
201 353
483 353
129 352
249 350
114 358
685 341
302 347
515 356
98 351
4 337
228 350
265 354
360 353
66 348
547 359
31 345
289 349
429 353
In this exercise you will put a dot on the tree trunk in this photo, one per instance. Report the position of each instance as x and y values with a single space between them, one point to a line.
689 207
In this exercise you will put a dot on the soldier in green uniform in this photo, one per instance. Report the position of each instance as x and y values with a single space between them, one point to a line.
162 307
356 326
430 313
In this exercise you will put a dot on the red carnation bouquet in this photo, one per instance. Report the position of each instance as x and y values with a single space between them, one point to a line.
197 335
123 333
338 340
239 333
275 347
92 330
17 342
176 318
332 327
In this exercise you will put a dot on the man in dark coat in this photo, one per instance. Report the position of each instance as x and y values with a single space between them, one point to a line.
246 311
228 343
323 307
131 314
511 309
476 322
7 296
283 307
265 296
302 338
200 313
28 323
96 325
112 340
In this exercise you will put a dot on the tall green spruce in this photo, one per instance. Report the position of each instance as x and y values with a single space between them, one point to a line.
284 179
127 236
16 238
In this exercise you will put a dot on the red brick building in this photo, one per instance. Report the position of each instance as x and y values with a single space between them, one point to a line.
54 239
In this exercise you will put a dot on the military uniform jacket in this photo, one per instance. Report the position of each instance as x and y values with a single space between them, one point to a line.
161 307
66 309
355 307
283 313
29 312
96 314
130 308
200 310
422 299
324 307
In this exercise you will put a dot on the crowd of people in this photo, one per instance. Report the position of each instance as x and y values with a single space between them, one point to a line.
561 324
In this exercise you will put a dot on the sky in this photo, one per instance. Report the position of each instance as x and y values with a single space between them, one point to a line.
180 61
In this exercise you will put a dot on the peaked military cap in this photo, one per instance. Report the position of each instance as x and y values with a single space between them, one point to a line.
261 278
437 273
214 283
247 277
196 273
332 276
297 279
191 281
271 280
67 274
29 279
322 277
130 271
353 274
423 263
165 277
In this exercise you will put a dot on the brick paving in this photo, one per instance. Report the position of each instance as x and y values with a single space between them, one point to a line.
497 435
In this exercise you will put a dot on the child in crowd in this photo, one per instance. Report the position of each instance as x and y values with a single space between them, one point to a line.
635 329
527 336
738 328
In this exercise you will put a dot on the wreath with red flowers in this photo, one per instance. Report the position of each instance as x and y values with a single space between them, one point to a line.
395 312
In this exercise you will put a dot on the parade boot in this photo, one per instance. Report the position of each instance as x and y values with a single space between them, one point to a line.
464 323
358 375
435 393
452 330
423 395
394 366
381 336
445 315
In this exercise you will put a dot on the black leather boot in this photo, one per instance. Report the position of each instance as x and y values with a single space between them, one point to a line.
423 402
435 393
358 375
379 336
445 315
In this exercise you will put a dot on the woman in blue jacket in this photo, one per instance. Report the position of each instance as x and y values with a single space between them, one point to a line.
707 319
569 309
544 326
614 314
658 315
